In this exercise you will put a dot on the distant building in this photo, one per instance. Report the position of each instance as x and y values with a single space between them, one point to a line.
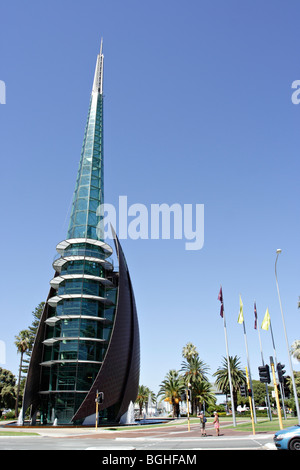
88 336
220 396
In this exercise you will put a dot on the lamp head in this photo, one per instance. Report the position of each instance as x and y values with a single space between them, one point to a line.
278 251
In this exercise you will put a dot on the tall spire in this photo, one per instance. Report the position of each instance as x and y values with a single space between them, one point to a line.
89 190
98 77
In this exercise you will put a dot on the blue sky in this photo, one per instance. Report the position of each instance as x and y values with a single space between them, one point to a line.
198 110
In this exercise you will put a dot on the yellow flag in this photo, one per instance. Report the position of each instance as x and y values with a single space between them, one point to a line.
266 321
241 315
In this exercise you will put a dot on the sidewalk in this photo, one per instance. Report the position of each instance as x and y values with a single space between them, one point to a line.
176 429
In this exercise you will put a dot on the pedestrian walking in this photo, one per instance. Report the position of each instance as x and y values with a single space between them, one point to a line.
202 423
217 423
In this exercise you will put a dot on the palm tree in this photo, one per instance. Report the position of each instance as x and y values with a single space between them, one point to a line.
297 382
143 395
204 395
194 370
189 351
171 389
295 349
238 377
22 342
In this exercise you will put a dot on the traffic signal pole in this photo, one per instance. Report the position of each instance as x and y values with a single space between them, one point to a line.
266 382
275 363
97 409
250 401
264 377
276 392
99 400
280 374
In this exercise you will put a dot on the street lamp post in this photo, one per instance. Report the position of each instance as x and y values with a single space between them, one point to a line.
287 343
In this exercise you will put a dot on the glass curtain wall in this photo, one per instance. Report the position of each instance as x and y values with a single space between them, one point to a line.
85 215
78 331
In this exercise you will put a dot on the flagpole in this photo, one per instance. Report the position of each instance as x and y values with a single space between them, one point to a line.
248 362
220 297
241 317
263 363
229 373
280 384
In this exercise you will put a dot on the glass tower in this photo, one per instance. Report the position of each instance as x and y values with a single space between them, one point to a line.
75 331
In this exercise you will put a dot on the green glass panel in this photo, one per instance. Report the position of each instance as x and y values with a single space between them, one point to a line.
93 205
80 218
82 204
83 191
93 219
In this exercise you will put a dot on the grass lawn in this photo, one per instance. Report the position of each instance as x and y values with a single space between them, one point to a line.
264 425
243 424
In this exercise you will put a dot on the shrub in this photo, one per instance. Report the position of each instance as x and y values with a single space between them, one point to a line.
8 415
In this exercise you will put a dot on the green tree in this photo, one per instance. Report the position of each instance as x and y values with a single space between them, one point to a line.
295 350
238 377
189 351
143 397
171 389
7 389
32 331
297 383
259 392
204 394
194 371
22 343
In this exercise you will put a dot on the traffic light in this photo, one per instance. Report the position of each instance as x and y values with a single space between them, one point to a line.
184 395
100 398
264 374
243 390
280 372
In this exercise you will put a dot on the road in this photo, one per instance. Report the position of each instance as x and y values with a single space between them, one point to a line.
168 438
264 442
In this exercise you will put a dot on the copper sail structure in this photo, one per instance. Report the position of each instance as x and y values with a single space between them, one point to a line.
88 335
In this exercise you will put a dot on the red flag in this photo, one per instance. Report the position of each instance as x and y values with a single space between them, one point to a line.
220 298
255 315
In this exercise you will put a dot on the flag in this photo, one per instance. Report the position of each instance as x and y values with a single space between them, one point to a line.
220 298
255 315
266 321
241 315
